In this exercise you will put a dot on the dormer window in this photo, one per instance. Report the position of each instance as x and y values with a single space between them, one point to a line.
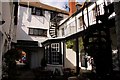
53 15
33 11
38 11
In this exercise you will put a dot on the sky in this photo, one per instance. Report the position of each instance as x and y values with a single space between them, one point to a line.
58 3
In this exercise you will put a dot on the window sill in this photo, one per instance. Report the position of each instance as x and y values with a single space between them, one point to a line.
37 35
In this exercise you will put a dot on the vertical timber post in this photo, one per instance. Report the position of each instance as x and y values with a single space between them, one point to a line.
117 24
77 56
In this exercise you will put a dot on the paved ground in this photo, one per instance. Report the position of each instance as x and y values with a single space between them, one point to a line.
26 75
29 75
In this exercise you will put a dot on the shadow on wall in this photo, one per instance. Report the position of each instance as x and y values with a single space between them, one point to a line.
70 60
22 30
68 64
22 34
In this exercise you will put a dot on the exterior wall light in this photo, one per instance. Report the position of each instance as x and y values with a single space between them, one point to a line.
9 38
2 22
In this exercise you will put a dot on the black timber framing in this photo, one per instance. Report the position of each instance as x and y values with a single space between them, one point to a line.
64 52
80 34
90 28
78 11
49 42
60 44
15 12
77 55
50 53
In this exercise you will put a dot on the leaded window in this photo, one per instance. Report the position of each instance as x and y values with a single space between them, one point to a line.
38 11
38 32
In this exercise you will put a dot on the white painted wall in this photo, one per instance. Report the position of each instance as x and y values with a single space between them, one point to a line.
91 21
70 55
70 60
6 14
26 20
8 26
0 42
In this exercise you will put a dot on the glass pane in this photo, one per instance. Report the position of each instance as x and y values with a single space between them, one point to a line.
37 12
40 32
35 32
81 22
45 33
30 31
33 10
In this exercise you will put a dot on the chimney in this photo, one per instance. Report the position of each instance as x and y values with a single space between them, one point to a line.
72 6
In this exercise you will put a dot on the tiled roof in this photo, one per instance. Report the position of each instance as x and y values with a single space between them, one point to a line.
36 3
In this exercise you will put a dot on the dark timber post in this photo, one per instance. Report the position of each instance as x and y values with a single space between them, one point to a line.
64 52
77 56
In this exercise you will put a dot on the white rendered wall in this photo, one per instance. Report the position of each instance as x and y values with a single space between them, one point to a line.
70 55
26 21
0 42
6 14
70 60
76 18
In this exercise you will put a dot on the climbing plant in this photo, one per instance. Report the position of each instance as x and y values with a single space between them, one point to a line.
71 44
9 67
81 43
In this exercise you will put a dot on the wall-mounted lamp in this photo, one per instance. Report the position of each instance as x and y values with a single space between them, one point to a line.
9 38
1 21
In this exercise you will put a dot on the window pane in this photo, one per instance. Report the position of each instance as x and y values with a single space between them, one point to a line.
45 32
81 22
35 32
30 31
33 10
42 12
94 14
55 53
40 32
38 12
